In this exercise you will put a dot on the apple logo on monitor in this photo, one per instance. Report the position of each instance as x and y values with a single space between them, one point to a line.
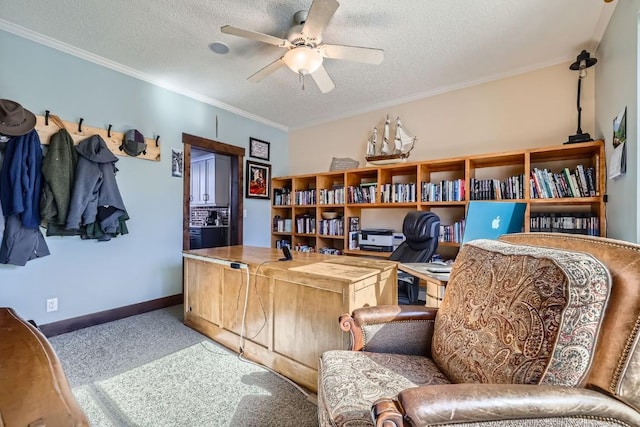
495 224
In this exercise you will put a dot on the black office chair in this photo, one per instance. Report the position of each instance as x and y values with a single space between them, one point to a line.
421 230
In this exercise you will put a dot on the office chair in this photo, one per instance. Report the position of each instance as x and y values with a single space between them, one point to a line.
421 230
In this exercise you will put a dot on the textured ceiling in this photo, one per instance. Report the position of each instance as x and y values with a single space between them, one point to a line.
431 46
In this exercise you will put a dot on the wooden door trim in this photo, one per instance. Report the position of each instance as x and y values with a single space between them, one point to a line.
236 200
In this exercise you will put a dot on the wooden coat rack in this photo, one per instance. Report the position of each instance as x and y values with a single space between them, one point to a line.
79 132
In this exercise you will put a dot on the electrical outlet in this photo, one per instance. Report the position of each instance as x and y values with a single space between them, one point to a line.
52 304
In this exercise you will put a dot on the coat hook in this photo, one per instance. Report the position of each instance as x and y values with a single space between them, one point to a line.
80 125
109 132
46 117
157 138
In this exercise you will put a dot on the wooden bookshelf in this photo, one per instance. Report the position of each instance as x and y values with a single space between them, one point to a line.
444 186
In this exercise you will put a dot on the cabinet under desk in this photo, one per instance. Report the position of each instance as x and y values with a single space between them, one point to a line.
292 307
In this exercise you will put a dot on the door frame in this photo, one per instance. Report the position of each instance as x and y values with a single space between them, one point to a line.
237 184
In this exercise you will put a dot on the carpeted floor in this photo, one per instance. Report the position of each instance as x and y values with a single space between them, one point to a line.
151 370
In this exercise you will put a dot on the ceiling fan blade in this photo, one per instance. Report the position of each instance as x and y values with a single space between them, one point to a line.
264 72
320 14
264 38
323 80
352 53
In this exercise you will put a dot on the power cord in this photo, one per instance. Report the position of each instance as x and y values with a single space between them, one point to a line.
246 303
264 314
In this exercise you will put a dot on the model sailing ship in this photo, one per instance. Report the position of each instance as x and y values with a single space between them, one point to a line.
402 145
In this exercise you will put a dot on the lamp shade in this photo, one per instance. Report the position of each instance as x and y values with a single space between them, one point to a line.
303 59
584 60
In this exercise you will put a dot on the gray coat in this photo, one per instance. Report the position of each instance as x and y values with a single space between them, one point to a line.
21 244
95 185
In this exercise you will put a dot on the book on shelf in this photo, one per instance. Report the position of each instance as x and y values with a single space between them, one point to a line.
353 240
354 223
591 181
583 180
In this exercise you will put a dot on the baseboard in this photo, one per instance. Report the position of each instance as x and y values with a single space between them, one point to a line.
69 325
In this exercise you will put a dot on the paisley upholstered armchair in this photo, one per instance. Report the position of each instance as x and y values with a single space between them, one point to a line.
534 330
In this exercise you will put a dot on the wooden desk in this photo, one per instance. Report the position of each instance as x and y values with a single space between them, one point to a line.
435 283
292 309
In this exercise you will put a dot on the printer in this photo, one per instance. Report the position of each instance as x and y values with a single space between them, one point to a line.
376 239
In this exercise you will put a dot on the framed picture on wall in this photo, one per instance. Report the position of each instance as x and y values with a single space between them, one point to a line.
259 149
258 185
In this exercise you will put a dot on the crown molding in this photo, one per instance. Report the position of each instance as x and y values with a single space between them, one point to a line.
115 66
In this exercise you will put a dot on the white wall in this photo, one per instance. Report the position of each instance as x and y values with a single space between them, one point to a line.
88 276
617 88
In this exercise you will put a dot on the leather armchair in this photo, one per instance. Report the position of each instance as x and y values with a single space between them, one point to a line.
34 391
564 349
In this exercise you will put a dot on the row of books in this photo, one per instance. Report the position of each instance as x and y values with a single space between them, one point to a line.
306 224
332 227
306 197
282 197
304 248
573 223
362 193
281 225
443 191
398 193
494 189
334 196
580 182
452 232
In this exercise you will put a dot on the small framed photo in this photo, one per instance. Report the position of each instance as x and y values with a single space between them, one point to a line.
176 162
259 149
258 184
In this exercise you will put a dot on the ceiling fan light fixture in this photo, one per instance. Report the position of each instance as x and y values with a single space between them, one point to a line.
303 59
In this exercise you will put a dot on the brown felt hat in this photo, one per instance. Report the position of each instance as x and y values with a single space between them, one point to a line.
15 120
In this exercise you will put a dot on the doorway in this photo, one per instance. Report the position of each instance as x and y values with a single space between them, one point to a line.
236 156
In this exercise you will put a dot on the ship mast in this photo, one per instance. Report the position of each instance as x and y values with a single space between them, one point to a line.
386 149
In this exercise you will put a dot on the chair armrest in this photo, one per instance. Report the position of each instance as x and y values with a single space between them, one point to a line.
403 329
478 403
34 390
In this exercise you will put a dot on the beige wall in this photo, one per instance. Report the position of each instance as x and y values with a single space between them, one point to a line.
534 109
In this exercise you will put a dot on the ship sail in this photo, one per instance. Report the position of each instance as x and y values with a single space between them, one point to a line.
403 141
371 144
386 148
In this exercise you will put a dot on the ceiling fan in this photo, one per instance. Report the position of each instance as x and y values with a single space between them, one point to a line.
305 50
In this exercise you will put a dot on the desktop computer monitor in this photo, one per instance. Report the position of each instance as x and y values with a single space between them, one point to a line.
489 220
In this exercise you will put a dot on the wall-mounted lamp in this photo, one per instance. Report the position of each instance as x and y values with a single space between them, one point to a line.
583 61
